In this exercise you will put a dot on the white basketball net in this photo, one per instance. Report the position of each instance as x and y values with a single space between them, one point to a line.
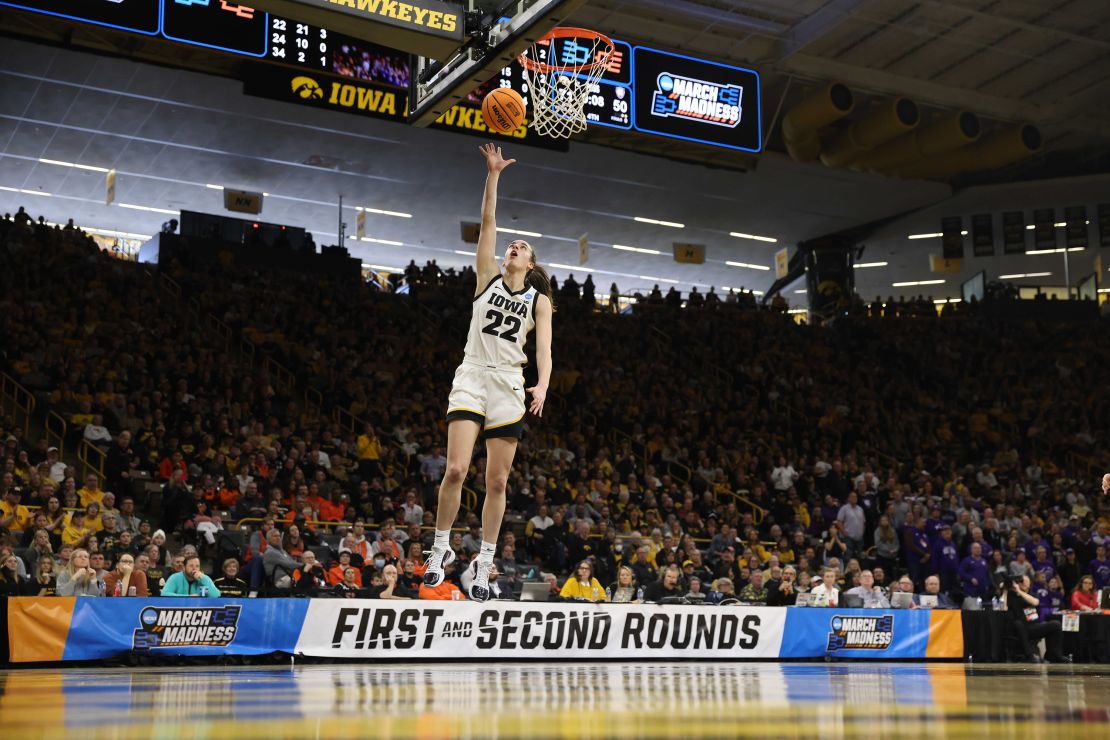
558 98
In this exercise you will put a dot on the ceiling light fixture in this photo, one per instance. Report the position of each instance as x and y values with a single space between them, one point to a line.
382 241
911 283
60 163
521 232
802 291
379 211
870 264
25 191
148 208
745 264
658 279
657 222
636 249
1059 250
465 253
925 236
579 268
741 235
1019 275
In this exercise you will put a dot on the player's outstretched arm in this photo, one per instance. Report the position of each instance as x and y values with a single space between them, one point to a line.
486 266
543 354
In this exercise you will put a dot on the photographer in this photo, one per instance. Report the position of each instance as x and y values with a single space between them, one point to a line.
1022 607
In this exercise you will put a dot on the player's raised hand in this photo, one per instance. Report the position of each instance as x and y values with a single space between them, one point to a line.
495 162
539 395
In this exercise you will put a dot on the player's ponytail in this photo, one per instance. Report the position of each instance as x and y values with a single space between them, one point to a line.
538 278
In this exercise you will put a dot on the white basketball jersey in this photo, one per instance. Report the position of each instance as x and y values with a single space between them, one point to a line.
499 325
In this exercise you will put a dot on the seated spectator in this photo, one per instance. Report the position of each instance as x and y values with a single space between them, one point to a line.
310 577
783 592
665 587
78 579
349 588
872 595
230 584
974 574
11 583
582 585
826 593
13 515
1084 598
44 583
623 590
755 592
75 533
392 587
932 588
276 563
722 591
191 581
338 571
124 580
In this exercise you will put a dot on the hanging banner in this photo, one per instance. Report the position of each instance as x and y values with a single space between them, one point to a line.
878 634
382 631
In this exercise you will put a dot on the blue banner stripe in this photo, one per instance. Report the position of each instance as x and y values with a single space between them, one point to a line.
855 633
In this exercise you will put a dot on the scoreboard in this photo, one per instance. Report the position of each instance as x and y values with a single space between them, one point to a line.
651 91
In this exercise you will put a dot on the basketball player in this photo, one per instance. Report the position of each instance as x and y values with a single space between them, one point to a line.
487 396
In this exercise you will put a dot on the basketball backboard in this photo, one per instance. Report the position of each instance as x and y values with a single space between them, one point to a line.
497 31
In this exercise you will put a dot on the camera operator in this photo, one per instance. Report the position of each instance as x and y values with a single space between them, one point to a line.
1022 607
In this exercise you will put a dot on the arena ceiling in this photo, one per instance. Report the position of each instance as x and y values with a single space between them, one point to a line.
172 134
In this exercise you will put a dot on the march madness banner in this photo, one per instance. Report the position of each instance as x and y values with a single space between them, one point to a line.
73 628
878 634
378 630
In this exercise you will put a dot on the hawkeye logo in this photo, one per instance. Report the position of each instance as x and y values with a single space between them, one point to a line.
307 88
698 100
186 627
861 633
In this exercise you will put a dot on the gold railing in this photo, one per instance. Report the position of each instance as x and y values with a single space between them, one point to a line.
353 425
282 375
469 499
247 351
92 458
757 511
56 428
172 287
21 401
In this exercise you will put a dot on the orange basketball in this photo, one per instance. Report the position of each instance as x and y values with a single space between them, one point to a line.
503 110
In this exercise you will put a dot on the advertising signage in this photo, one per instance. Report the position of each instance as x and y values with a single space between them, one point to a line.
697 100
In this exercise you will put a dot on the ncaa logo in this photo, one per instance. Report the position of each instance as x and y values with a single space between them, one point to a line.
149 617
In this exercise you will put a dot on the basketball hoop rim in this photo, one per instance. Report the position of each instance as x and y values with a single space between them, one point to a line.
567 32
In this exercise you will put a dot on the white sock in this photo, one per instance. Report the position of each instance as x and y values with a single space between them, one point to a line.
442 540
486 553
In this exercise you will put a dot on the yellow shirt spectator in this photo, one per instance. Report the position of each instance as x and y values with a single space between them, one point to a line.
369 448
20 516
88 495
74 532
575 589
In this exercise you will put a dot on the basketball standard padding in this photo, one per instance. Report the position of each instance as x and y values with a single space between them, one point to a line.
503 110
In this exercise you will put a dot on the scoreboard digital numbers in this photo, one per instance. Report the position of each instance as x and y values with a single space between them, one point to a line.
299 43
609 100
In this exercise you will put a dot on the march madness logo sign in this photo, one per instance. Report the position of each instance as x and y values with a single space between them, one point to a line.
186 627
861 633
708 102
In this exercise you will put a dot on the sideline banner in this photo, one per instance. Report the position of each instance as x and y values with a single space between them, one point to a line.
878 634
56 629
501 629
52 628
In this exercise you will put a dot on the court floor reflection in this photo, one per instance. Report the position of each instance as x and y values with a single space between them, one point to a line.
555 700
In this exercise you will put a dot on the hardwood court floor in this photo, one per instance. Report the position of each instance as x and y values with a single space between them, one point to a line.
557 700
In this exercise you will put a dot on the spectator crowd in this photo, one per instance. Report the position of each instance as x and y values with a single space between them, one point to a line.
697 449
